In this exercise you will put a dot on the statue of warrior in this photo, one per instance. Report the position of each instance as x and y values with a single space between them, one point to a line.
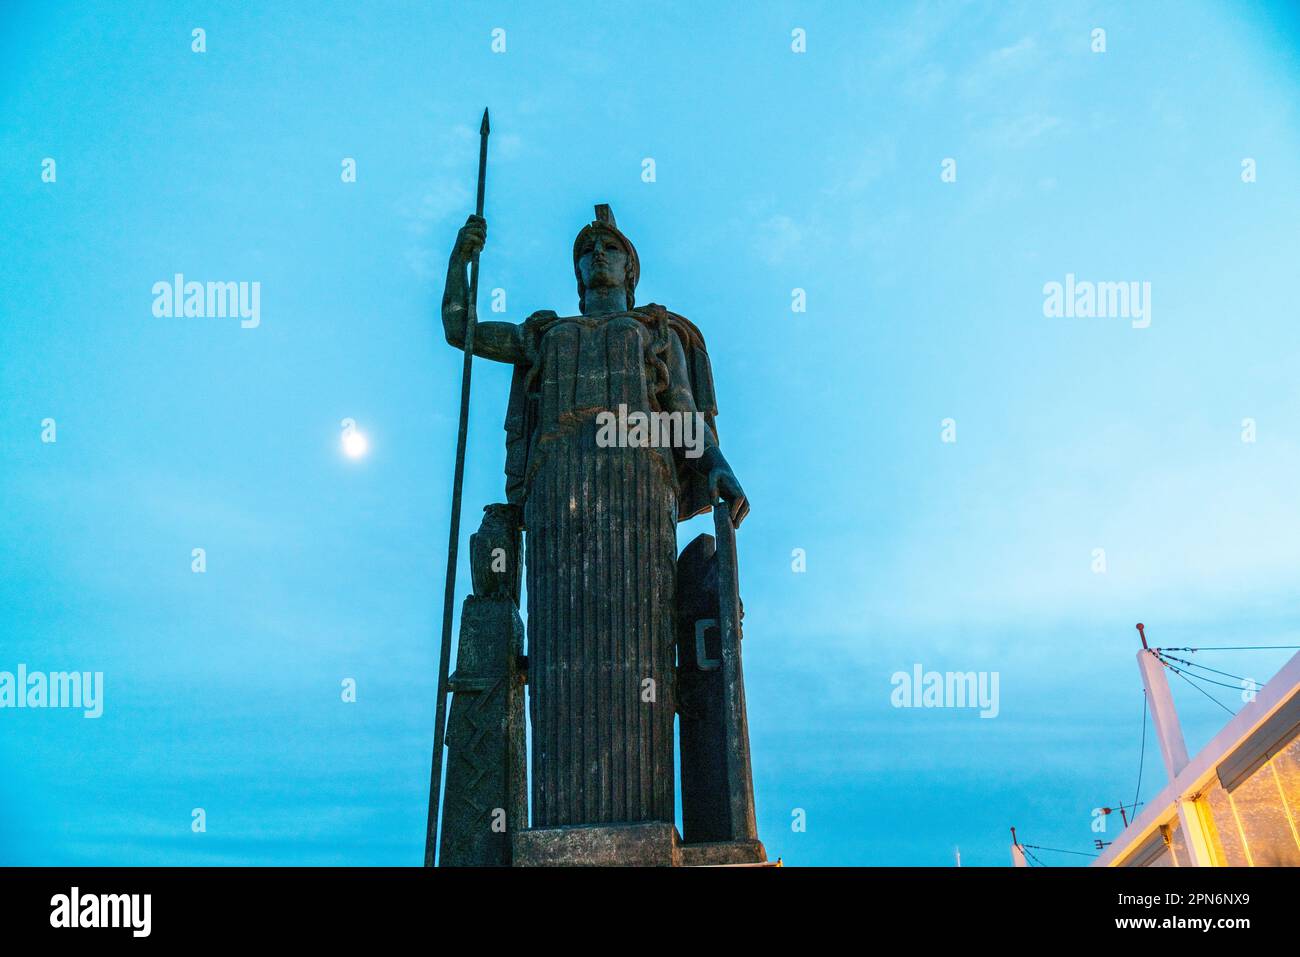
600 523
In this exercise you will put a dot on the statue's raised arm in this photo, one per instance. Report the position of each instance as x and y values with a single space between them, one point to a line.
502 341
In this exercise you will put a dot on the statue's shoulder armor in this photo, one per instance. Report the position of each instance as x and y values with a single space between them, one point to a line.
687 331
693 496
539 319
698 366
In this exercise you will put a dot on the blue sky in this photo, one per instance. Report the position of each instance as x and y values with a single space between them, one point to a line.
774 171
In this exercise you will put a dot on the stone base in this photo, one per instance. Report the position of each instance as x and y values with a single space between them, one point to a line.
649 844
723 853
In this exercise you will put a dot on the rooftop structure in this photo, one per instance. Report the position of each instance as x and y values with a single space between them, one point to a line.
1236 803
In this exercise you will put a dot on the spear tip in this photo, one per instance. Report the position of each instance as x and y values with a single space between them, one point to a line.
483 127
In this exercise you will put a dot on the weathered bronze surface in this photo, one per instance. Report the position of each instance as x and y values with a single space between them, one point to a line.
494 559
602 573
706 814
486 794
644 844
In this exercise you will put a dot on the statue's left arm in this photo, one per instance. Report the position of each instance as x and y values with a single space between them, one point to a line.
711 464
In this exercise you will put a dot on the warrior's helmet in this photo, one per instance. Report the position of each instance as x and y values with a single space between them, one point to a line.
604 222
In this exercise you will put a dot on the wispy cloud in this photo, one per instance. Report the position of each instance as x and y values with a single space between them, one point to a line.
776 237
1017 131
432 205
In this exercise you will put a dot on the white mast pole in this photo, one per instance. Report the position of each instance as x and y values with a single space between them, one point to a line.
1173 748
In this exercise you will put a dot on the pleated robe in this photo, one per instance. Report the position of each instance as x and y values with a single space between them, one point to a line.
601 563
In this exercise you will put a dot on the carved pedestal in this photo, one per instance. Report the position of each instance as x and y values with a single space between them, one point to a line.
486 796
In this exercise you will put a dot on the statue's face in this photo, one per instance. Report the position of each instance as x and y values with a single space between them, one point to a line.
602 261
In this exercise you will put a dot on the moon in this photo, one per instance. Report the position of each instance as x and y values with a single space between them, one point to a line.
355 445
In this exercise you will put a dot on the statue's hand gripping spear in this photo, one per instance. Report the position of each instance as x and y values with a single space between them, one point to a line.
449 596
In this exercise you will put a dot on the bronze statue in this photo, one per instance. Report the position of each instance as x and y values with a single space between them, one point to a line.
599 523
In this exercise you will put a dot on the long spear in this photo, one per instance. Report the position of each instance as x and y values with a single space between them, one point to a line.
449 596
